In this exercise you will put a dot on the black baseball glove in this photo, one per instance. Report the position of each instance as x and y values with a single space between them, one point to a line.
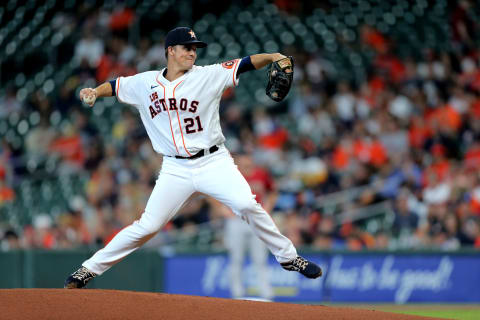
280 77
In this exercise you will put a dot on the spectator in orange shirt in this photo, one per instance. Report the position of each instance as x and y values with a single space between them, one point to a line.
444 117
6 193
418 132
370 151
440 165
342 154
373 38
378 153
69 146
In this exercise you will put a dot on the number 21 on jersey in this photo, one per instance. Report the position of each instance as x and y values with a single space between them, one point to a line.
190 124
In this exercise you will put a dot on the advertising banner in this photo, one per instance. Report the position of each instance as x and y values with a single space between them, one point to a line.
403 278
209 276
347 278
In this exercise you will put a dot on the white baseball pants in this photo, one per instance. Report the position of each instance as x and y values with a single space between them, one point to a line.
215 175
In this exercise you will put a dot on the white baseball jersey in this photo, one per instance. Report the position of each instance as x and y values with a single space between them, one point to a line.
181 116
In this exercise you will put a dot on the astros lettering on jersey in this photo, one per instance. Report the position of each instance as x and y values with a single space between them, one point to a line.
181 116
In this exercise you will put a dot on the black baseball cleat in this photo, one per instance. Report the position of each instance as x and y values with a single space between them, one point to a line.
79 278
305 267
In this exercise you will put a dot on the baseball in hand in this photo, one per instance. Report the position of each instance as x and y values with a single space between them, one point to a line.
88 96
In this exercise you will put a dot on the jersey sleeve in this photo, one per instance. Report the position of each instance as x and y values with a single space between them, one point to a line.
127 88
224 75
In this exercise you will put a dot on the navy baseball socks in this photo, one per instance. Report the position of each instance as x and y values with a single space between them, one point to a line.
305 267
79 278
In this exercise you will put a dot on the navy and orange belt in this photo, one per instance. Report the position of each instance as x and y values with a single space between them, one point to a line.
199 154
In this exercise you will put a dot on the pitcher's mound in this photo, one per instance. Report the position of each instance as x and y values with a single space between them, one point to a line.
111 304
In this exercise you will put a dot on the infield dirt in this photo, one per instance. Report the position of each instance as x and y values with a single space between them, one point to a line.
111 304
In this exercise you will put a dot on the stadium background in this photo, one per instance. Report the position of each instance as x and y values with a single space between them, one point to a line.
375 153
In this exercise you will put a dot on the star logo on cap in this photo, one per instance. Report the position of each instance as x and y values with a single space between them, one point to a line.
192 33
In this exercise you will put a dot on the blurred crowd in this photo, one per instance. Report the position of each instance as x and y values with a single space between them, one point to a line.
407 137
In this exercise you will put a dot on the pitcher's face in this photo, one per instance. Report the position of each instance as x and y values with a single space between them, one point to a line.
184 55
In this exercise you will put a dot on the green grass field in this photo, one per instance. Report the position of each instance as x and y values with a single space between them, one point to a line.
454 311
444 311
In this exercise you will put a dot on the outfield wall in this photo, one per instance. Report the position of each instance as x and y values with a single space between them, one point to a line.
399 277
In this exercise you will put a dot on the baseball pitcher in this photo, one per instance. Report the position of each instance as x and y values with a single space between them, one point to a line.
179 109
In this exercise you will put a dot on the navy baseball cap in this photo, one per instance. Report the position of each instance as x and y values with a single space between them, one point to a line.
182 35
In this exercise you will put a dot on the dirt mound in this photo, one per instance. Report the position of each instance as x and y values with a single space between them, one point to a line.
111 304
